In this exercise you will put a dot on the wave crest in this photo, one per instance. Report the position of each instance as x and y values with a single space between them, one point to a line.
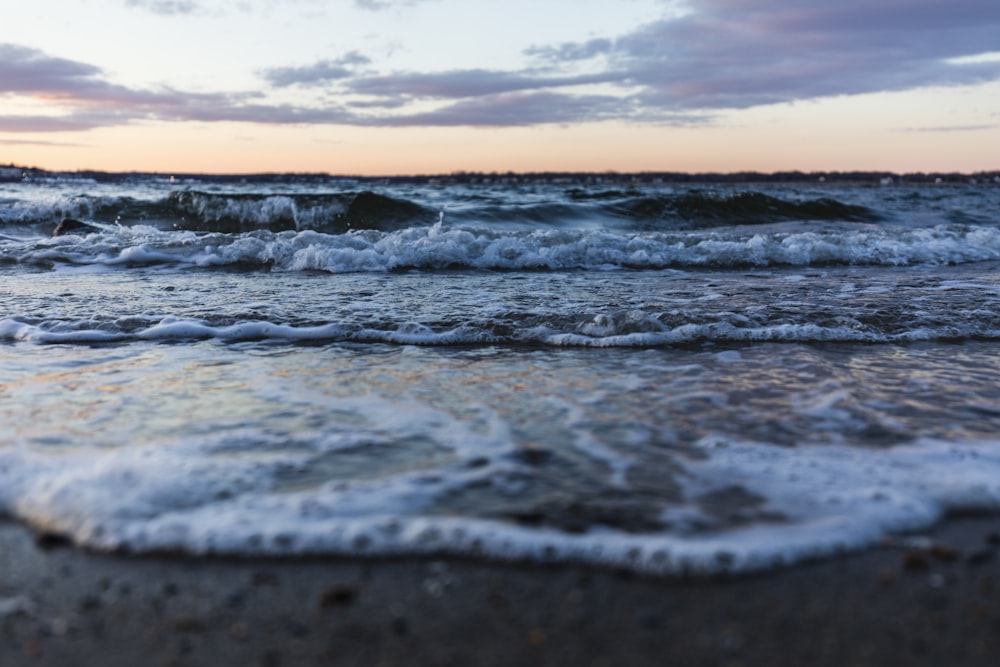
440 246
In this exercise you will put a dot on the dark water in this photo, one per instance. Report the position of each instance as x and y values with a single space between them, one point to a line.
659 378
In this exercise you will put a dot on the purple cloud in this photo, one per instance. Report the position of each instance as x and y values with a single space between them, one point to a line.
735 54
724 54
320 72
30 72
89 99
572 51
513 109
457 84
74 123
24 70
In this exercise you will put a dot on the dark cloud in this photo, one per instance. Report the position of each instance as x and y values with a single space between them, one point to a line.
736 54
383 103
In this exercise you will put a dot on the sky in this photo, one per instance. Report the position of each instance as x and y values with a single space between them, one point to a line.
383 87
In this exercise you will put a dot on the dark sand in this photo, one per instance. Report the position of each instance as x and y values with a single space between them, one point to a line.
937 603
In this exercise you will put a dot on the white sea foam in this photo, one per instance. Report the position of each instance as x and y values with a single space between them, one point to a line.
833 499
172 329
439 246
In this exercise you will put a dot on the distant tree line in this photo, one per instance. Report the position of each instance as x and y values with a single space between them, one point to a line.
13 173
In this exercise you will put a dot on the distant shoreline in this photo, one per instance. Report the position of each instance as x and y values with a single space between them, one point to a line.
14 173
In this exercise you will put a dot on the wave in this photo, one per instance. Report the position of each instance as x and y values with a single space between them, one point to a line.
188 496
237 212
193 210
446 247
615 328
329 213
697 209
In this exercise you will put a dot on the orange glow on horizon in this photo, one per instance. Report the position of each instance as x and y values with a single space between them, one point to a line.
835 135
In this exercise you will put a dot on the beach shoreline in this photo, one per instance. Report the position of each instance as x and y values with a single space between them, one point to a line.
921 600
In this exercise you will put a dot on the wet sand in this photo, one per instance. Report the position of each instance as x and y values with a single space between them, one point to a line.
928 601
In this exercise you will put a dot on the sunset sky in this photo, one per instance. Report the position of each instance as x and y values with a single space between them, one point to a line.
434 86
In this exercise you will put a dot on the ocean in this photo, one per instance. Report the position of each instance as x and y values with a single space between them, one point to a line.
662 378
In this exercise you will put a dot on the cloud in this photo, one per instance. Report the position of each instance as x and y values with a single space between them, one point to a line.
24 70
732 54
462 83
320 72
513 109
572 51
954 128
38 142
165 7
29 72
722 54
218 7
87 99
74 123
379 5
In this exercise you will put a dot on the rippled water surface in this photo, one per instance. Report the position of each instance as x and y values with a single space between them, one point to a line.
660 379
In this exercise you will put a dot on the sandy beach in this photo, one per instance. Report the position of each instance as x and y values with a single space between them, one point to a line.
925 600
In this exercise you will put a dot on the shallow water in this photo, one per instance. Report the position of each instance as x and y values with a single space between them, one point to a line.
518 383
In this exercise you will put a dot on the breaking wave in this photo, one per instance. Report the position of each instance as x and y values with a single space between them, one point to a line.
237 212
441 246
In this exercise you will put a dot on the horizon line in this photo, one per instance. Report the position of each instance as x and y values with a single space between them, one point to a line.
462 173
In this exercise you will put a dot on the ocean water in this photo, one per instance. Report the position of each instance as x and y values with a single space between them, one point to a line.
667 379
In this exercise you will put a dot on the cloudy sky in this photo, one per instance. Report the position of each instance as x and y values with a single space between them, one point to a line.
403 86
